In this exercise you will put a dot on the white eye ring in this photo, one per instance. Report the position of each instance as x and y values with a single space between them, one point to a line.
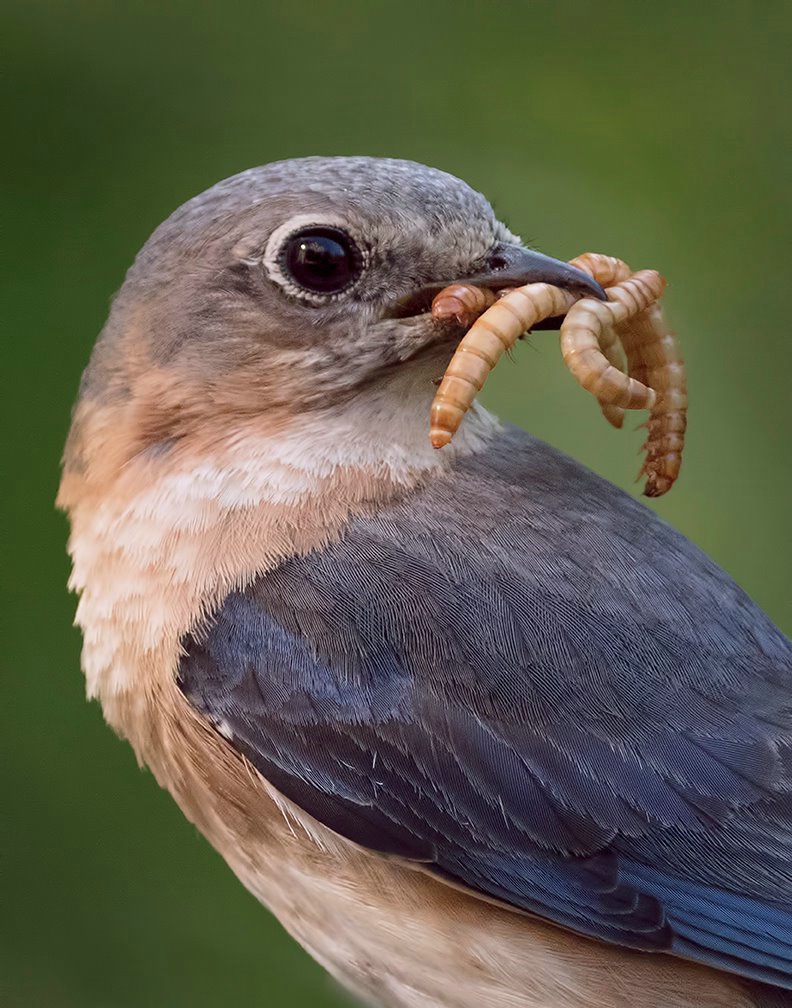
272 257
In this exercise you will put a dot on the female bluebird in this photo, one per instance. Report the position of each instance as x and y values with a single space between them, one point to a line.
479 728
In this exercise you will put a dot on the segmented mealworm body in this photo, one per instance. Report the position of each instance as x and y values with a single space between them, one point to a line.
582 331
653 356
462 303
607 270
482 346
620 350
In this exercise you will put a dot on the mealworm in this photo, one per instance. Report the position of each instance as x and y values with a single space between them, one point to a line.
620 350
462 303
482 346
517 311
654 357
583 328
653 360
607 270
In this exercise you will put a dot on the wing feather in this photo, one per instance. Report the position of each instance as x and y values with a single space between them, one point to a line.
523 679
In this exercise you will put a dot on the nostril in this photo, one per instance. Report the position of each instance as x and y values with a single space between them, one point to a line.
497 262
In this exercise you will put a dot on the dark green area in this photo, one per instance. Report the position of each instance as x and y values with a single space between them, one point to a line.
659 132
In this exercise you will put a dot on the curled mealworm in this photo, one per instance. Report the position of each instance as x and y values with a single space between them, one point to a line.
620 350
516 312
653 359
482 346
654 364
608 271
581 332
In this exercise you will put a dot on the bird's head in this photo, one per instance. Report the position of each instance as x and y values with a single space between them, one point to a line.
285 295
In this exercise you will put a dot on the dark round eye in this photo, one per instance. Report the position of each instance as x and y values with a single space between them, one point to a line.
322 260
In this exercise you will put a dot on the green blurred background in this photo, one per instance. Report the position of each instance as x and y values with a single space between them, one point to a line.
659 132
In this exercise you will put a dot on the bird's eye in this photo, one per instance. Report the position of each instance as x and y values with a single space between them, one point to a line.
321 260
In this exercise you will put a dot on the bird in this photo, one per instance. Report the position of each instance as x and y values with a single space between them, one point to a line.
479 728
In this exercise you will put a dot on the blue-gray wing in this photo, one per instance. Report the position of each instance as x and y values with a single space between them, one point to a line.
522 678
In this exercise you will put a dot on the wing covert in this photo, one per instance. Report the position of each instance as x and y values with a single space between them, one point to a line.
570 709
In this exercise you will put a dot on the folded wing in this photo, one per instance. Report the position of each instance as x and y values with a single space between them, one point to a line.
524 680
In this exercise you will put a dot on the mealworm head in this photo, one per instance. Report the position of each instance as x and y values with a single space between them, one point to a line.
613 414
461 302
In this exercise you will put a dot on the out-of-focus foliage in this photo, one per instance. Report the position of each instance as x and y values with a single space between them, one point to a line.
658 132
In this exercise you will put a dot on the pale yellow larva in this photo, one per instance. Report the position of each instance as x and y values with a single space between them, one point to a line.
462 303
499 327
620 350
654 357
608 271
482 346
582 331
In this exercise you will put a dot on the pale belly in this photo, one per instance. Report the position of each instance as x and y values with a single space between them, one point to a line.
399 939
393 934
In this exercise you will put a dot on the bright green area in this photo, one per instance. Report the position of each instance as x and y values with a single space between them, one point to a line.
660 132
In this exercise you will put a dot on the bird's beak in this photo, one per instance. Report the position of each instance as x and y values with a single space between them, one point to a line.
510 266
515 266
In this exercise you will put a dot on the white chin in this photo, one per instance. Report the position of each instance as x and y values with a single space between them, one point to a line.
385 427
